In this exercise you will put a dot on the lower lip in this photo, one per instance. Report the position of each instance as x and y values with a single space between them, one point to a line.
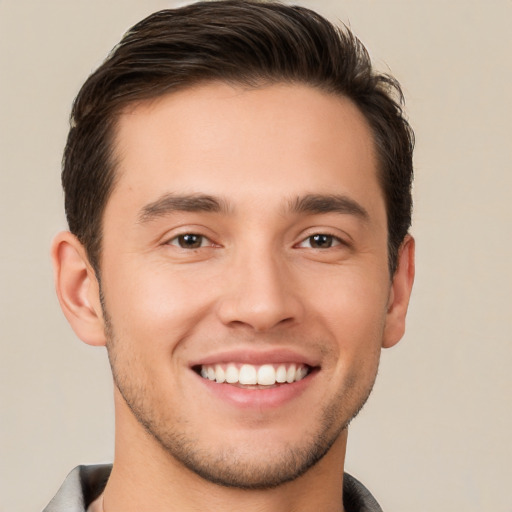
251 398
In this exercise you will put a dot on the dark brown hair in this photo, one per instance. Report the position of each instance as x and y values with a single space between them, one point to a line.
236 41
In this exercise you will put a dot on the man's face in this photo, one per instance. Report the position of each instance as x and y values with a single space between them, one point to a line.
245 240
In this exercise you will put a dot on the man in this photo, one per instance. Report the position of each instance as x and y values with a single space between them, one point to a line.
237 185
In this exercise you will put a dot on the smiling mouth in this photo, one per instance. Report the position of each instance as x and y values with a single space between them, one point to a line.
254 376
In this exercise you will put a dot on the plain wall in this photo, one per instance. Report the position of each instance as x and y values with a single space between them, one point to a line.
435 435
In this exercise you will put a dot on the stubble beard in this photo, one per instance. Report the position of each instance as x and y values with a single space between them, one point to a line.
228 467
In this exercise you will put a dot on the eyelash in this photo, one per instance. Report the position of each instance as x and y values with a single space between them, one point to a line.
204 241
333 239
176 241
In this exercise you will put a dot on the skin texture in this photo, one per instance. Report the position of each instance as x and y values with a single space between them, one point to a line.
255 286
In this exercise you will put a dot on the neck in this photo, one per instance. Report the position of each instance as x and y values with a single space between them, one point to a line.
146 477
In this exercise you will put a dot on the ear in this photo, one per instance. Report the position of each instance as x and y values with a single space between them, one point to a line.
400 292
77 289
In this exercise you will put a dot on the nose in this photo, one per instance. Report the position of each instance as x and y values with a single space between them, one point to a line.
260 292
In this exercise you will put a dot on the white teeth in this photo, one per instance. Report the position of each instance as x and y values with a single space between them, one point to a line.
281 373
300 373
249 375
220 374
290 374
266 375
231 374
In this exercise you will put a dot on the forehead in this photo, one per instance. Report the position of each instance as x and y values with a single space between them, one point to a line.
260 144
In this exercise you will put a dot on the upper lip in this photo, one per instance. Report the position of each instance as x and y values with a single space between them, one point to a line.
257 357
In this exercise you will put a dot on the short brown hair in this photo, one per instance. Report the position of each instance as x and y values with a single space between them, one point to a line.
236 41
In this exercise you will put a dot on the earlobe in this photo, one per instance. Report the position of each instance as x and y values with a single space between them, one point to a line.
77 289
400 294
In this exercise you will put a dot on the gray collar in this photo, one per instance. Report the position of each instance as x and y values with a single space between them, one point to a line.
85 483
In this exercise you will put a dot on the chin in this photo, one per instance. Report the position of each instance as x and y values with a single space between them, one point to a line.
259 466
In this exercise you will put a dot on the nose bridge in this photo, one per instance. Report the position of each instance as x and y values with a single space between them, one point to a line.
260 289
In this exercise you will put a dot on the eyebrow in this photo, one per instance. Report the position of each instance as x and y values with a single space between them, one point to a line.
331 203
308 204
170 203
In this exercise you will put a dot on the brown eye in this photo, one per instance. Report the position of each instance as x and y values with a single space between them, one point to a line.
189 241
321 241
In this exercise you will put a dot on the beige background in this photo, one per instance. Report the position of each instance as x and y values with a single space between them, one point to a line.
435 436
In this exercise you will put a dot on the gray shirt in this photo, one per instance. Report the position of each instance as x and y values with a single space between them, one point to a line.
85 483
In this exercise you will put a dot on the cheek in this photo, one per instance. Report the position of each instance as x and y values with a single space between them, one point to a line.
354 314
153 307
353 302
